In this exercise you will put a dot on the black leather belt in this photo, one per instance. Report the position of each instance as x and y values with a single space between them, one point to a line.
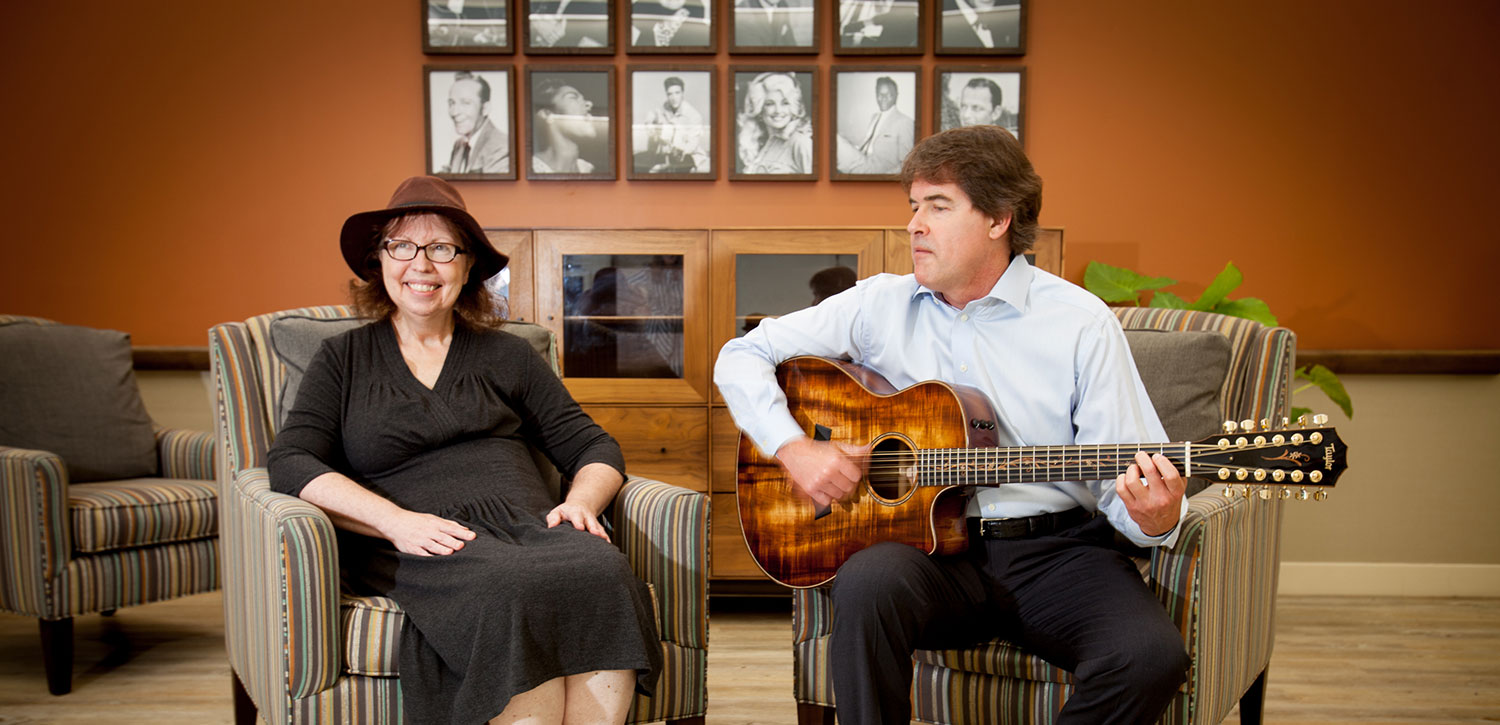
1039 525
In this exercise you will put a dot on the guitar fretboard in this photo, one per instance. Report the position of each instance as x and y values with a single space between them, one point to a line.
1038 464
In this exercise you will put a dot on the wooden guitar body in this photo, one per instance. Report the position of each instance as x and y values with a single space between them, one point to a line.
786 538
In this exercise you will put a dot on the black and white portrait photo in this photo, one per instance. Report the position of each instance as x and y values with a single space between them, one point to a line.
982 27
774 123
875 112
774 26
572 130
671 123
470 122
671 26
570 27
878 26
976 96
467 26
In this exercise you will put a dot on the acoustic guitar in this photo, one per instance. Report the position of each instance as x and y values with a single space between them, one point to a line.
928 441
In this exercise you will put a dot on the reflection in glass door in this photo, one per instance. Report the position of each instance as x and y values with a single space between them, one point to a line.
771 285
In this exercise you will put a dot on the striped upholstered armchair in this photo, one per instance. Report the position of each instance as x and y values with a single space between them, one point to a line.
1218 583
119 513
304 652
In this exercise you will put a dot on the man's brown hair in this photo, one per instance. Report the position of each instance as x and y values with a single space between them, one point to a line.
987 163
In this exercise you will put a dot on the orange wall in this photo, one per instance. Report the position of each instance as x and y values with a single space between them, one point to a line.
171 165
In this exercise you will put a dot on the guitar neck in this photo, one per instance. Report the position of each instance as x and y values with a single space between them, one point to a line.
1039 464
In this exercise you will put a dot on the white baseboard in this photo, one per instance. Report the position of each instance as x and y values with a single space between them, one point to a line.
1307 578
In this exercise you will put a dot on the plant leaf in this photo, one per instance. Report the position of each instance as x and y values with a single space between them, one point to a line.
1299 412
1331 386
1117 284
1250 308
1167 300
1219 289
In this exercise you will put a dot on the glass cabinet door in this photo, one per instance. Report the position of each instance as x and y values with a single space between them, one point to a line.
627 308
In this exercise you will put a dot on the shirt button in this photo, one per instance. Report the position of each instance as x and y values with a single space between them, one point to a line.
965 318
963 368
991 507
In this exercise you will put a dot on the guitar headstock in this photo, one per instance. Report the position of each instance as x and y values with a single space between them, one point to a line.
1268 461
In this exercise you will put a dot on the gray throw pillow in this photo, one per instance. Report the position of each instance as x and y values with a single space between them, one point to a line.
71 391
1184 373
295 339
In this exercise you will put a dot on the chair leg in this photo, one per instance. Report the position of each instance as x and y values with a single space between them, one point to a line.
1253 701
57 654
244 707
809 714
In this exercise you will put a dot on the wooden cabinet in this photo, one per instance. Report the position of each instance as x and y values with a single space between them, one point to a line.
640 316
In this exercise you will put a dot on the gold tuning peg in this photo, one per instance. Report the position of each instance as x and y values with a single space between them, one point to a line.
1302 421
1228 491
1286 493
1247 425
1231 426
1320 419
1265 423
1264 493
1302 494
1321 495
1286 422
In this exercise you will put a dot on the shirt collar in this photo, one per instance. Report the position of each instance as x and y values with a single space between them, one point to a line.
1013 287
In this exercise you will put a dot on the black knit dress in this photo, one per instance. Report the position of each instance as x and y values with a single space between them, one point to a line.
521 603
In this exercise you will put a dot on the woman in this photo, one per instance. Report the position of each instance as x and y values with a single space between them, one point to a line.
775 136
412 432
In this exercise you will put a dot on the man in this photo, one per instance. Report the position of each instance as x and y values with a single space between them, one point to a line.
1041 569
979 103
887 140
480 148
561 120
877 24
675 143
770 23
980 24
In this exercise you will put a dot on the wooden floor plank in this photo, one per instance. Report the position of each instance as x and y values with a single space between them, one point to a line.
1337 660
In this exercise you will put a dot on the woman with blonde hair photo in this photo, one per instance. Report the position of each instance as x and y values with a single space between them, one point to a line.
774 127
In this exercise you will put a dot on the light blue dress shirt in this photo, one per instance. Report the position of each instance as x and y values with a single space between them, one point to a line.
1050 356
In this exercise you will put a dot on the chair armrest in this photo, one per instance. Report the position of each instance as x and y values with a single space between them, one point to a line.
663 531
1220 580
185 453
281 591
34 527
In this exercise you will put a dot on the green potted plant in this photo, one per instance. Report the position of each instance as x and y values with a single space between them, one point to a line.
1117 285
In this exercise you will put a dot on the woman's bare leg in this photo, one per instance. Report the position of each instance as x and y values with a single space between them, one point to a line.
541 704
602 696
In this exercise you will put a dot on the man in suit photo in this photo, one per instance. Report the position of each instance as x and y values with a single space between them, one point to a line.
889 136
480 146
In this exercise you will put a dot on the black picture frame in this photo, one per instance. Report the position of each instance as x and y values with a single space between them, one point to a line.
880 27
792 27
979 27
666 143
670 26
562 130
468 27
762 96
950 82
568 27
456 108
870 142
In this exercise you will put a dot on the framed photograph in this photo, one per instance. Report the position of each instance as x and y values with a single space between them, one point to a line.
467 26
568 27
974 95
775 116
874 120
773 26
470 121
670 116
572 122
671 26
880 27
980 27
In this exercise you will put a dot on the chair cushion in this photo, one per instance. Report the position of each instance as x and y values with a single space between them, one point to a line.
1184 373
372 632
295 339
141 512
71 391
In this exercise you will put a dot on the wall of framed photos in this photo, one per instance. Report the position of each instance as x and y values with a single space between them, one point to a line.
175 165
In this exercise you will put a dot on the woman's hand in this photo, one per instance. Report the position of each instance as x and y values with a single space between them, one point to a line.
425 534
580 517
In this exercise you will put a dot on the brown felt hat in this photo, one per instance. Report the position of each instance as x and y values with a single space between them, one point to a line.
421 194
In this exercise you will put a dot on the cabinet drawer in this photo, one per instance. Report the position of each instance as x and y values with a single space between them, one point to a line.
729 556
667 444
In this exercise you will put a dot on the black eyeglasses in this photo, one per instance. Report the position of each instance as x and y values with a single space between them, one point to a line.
405 250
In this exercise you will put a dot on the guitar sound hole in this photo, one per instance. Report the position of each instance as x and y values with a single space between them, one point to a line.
893 468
